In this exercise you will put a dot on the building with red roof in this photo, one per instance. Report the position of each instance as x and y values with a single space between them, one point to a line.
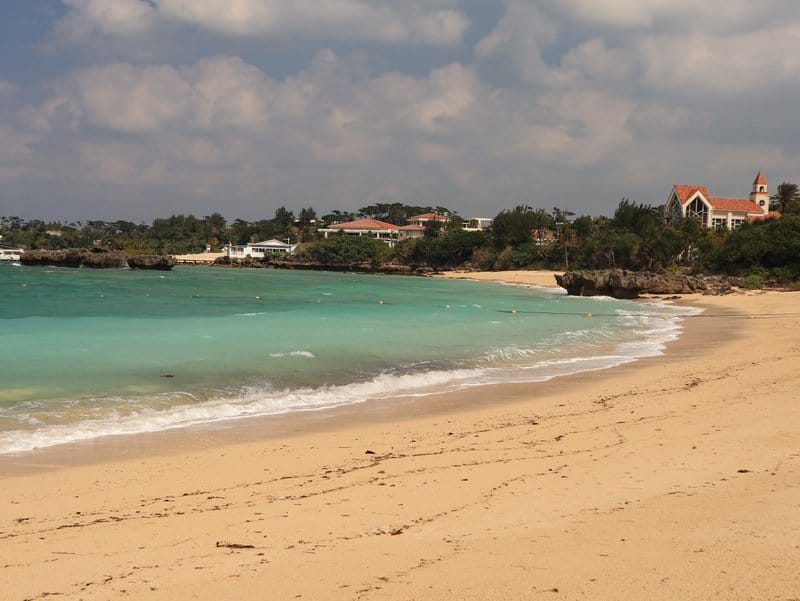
716 212
426 217
388 233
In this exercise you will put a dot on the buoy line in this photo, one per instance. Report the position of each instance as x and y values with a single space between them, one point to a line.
742 315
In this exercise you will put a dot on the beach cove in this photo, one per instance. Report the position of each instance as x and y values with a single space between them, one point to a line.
674 477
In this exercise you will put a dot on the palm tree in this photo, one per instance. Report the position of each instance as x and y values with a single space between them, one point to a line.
566 239
787 198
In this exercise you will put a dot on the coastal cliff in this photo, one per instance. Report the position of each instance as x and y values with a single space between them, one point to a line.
96 258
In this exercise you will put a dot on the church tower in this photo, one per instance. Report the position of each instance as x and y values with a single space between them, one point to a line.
760 195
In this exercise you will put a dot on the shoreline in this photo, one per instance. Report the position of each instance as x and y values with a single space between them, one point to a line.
230 430
648 480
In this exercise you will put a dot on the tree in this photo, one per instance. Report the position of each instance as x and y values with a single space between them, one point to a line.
566 240
515 227
787 198
283 218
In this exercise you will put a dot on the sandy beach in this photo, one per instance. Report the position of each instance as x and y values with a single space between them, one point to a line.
677 477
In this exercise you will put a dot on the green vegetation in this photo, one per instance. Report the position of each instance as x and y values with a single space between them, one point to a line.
635 237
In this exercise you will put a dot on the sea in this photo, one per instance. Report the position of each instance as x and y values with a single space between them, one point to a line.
91 353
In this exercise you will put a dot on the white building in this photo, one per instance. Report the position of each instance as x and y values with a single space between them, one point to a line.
426 217
719 213
477 224
258 250
10 254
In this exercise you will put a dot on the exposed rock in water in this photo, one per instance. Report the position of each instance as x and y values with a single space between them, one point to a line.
96 258
160 262
621 283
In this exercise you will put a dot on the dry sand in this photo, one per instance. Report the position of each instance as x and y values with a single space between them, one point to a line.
675 478
199 257
536 278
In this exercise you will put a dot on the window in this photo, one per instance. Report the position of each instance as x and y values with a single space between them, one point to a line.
674 211
698 209
736 223
719 223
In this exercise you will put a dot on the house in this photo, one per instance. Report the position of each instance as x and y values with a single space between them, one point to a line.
388 233
542 237
258 249
719 213
413 230
477 224
10 254
426 217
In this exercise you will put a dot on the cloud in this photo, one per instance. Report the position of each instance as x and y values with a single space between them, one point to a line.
7 91
556 103
433 22
119 18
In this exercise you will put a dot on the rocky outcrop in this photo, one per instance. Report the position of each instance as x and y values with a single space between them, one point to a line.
383 268
99 258
158 262
621 283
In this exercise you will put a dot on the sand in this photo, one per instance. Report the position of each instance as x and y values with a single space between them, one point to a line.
675 478
199 257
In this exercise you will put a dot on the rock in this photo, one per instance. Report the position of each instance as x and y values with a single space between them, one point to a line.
100 258
622 283
159 262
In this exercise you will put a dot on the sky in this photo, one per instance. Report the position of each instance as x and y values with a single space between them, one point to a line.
137 109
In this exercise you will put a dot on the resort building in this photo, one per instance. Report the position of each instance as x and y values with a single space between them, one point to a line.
10 254
388 233
719 213
413 230
258 250
426 217
477 224
543 237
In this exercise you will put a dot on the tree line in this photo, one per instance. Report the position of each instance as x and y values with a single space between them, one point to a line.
637 236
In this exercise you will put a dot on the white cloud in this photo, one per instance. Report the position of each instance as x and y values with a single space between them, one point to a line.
433 22
123 18
565 103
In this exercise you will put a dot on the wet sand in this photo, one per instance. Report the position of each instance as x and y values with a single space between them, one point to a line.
674 478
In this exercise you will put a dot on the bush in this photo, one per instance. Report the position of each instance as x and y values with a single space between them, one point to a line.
348 249
753 281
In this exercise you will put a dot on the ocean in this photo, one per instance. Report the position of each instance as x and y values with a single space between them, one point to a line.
91 353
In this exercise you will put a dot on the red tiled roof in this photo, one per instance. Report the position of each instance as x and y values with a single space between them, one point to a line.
364 224
429 217
760 179
735 204
742 205
413 226
775 214
686 192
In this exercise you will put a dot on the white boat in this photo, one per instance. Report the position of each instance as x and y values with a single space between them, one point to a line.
10 254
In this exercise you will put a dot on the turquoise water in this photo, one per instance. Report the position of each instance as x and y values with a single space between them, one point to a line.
88 353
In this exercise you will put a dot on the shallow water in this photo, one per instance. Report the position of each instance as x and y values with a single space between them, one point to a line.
87 353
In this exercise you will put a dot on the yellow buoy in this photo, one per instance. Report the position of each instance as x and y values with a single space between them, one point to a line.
258 298
588 315
514 311
447 306
380 302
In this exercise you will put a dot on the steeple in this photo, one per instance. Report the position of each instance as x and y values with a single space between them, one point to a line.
760 193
